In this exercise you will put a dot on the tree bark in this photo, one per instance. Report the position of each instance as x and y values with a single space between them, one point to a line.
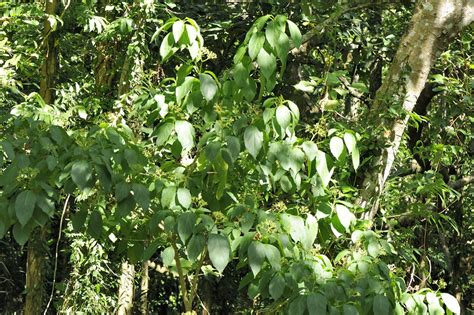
35 290
434 24
49 67
144 289
126 289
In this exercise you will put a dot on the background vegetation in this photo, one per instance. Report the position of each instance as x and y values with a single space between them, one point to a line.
305 157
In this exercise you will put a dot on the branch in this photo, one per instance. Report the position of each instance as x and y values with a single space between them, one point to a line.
460 183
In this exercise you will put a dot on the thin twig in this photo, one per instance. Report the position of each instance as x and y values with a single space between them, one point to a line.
56 254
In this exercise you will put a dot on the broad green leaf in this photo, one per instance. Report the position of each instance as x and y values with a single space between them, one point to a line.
178 29
336 145
277 286
273 256
350 141
311 231
381 305
185 132
167 196
122 190
167 256
295 226
317 304
184 197
298 306
272 33
192 33
322 168
163 133
355 158
21 234
267 63
219 251
208 86
186 222
253 140
81 173
310 149
141 195
294 33
283 116
349 309
256 256
24 206
344 215
286 184
195 246
167 48
451 303
95 225
211 150
256 44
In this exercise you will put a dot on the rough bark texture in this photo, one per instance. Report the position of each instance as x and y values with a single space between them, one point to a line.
35 272
144 289
50 63
434 24
126 289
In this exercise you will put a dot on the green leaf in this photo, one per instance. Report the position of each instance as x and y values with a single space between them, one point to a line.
355 158
350 141
317 304
451 303
192 33
195 247
24 206
219 251
256 256
273 256
295 225
344 215
311 231
295 34
167 196
286 184
95 225
141 195
277 286
267 63
21 234
310 149
272 33
178 29
211 150
322 168
185 133
336 145
81 173
163 133
208 86
166 48
381 305
122 190
167 256
256 44
298 306
349 309
283 116
253 140
184 197
186 223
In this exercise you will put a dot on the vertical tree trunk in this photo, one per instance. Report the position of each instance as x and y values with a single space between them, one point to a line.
144 289
433 26
126 289
50 63
36 254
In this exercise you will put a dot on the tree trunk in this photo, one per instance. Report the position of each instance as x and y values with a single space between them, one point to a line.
434 24
144 289
50 63
36 254
126 289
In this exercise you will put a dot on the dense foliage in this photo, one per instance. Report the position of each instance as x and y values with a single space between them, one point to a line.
220 151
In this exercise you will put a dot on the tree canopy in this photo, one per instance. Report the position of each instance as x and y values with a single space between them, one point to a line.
221 157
